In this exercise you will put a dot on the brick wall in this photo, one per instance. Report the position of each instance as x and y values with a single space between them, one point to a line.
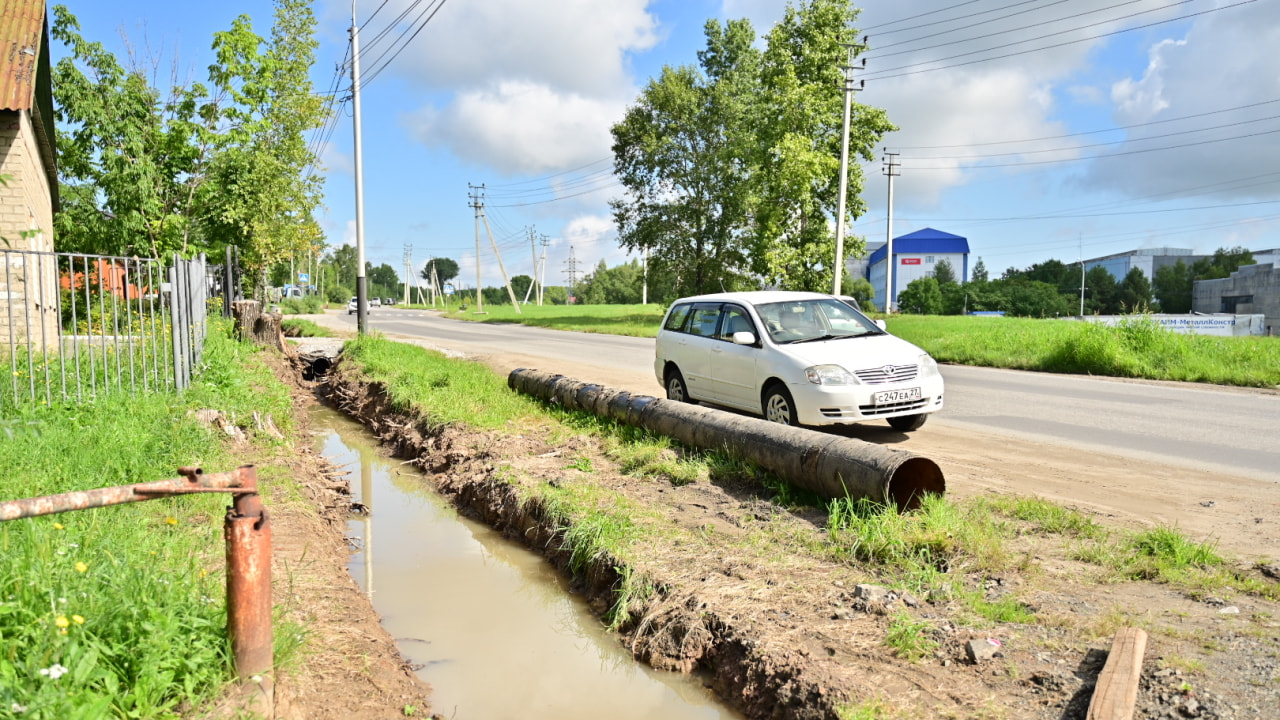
28 286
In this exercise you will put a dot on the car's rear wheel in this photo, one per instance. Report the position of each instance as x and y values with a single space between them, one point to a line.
676 389
907 423
778 406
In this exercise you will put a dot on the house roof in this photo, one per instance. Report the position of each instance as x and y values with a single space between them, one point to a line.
926 241
21 33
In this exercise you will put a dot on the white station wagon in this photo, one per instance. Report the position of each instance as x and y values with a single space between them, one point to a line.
797 358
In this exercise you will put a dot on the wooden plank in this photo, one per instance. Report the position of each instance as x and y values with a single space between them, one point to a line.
1116 693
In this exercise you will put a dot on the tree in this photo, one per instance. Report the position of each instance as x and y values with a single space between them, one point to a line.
1134 293
619 285
1033 298
381 279
979 271
796 148
1172 287
1101 292
446 269
267 184
860 289
921 297
131 166
679 154
944 273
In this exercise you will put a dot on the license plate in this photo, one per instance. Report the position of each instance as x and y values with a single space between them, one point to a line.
892 397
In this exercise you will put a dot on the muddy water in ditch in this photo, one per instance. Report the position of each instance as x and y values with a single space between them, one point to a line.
492 626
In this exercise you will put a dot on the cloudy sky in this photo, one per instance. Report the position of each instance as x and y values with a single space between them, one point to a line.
1035 128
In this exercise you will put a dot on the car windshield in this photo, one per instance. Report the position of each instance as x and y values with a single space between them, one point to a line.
797 321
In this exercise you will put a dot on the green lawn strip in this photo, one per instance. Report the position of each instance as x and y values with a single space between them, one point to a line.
301 327
119 611
632 320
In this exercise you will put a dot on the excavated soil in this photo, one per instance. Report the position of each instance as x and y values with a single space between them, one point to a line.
782 633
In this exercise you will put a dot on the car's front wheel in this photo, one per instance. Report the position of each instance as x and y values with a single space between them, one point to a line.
907 423
779 407
676 389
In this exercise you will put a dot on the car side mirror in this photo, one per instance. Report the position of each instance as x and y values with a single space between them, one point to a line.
880 324
744 338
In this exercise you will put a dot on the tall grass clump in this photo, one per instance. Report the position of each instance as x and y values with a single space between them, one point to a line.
119 611
309 305
440 390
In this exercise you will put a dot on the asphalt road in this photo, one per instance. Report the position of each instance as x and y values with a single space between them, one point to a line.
1222 430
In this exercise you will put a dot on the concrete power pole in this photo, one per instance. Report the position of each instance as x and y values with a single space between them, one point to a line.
849 89
477 202
891 169
542 266
408 271
533 250
362 298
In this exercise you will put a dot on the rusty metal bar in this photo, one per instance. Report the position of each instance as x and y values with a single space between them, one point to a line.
193 480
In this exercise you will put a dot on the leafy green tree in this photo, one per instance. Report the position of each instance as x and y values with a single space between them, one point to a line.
1033 298
267 183
944 273
1134 293
1102 293
132 166
619 285
343 263
797 138
860 289
521 284
679 153
446 269
921 297
1172 287
979 272
382 280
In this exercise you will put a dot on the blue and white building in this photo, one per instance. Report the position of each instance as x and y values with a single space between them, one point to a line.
915 255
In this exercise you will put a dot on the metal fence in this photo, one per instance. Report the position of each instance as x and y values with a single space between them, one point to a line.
75 327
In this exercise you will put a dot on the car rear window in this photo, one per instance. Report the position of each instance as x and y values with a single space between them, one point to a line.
704 319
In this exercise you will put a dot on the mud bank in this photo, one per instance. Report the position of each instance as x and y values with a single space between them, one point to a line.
675 630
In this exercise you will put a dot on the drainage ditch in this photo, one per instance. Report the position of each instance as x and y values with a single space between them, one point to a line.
488 623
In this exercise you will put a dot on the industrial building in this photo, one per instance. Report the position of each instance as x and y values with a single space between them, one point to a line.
914 256
1251 289
1146 260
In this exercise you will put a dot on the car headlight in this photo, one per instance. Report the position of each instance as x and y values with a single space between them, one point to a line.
928 366
829 375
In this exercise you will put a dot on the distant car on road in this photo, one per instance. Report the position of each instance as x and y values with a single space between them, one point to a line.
388 301
353 305
375 302
796 358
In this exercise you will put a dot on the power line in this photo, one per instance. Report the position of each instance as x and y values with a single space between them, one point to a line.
1047 47
378 70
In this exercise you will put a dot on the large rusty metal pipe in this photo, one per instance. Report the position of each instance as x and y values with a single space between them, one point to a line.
248 535
829 465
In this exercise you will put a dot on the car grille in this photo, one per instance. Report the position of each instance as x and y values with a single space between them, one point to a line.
887 374
874 410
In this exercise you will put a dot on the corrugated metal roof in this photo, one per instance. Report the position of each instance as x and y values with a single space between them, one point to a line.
923 241
21 27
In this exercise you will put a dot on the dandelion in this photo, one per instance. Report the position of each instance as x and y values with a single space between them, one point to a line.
53 672
171 520
62 621
81 567
58 526
77 619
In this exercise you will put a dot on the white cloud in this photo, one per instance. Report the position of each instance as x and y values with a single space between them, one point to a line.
520 127
1139 101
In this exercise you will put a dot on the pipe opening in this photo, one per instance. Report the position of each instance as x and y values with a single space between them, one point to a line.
912 480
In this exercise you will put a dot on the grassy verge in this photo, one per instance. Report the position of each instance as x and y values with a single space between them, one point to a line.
1137 349
119 611
299 327
633 320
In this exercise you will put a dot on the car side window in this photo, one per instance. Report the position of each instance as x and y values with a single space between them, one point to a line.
675 320
703 320
735 320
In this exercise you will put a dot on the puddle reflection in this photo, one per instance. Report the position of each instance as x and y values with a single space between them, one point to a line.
493 626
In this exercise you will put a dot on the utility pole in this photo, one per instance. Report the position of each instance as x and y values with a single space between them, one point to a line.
362 307
1081 251
478 203
542 265
533 250
644 277
475 192
891 169
849 89
572 272
408 271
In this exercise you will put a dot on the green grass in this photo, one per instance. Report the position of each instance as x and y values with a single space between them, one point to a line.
439 390
309 305
1138 349
633 320
124 604
909 638
299 327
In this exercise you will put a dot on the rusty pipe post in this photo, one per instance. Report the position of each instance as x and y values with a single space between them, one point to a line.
192 481
248 534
